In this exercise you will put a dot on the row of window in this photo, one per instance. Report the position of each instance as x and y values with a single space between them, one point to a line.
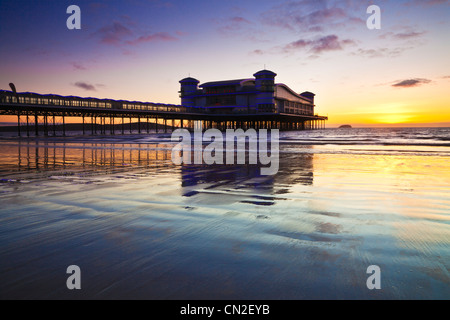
69 102
268 107
56 101
296 105
221 101
298 108
146 107
297 111
220 90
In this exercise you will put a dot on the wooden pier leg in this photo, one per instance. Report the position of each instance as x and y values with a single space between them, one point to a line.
46 125
18 124
28 126
36 129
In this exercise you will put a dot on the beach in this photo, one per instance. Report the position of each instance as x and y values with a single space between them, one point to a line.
141 227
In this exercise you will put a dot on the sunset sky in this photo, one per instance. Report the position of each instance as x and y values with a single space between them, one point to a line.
140 49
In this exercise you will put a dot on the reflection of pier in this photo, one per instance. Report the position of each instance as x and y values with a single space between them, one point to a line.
49 156
46 114
64 158
294 169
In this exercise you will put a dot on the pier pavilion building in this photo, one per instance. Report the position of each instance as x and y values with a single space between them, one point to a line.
256 95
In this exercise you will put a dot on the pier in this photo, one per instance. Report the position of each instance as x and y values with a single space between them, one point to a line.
46 115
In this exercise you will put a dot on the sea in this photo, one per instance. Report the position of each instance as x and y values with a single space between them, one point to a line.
355 213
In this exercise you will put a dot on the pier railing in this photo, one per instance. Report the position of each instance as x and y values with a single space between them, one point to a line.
46 108
28 98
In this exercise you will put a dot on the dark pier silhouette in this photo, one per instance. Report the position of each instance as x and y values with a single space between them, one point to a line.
47 114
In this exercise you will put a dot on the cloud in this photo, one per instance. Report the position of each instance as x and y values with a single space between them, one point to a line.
239 20
310 16
410 82
380 52
85 86
427 3
408 35
125 33
181 33
327 43
94 6
113 34
78 66
257 52
160 36
233 25
402 35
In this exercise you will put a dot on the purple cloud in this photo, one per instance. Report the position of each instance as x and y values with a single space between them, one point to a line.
239 20
181 33
410 82
402 35
257 52
85 86
309 16
327 43
234 25
160 36
113 34
427 3
408 35
380 52
78 66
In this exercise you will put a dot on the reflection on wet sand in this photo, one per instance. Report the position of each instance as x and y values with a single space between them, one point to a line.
230 181
47 156
140 227
246 181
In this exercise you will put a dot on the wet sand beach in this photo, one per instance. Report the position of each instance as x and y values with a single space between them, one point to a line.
140 227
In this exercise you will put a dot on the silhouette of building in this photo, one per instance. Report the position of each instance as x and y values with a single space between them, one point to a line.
246 96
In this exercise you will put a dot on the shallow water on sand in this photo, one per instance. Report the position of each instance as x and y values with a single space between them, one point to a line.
139 226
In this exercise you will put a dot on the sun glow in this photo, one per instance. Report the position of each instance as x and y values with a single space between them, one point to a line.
393 118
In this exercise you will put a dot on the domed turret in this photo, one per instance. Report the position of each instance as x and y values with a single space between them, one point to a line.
308 95
265 80
189 86
265 84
